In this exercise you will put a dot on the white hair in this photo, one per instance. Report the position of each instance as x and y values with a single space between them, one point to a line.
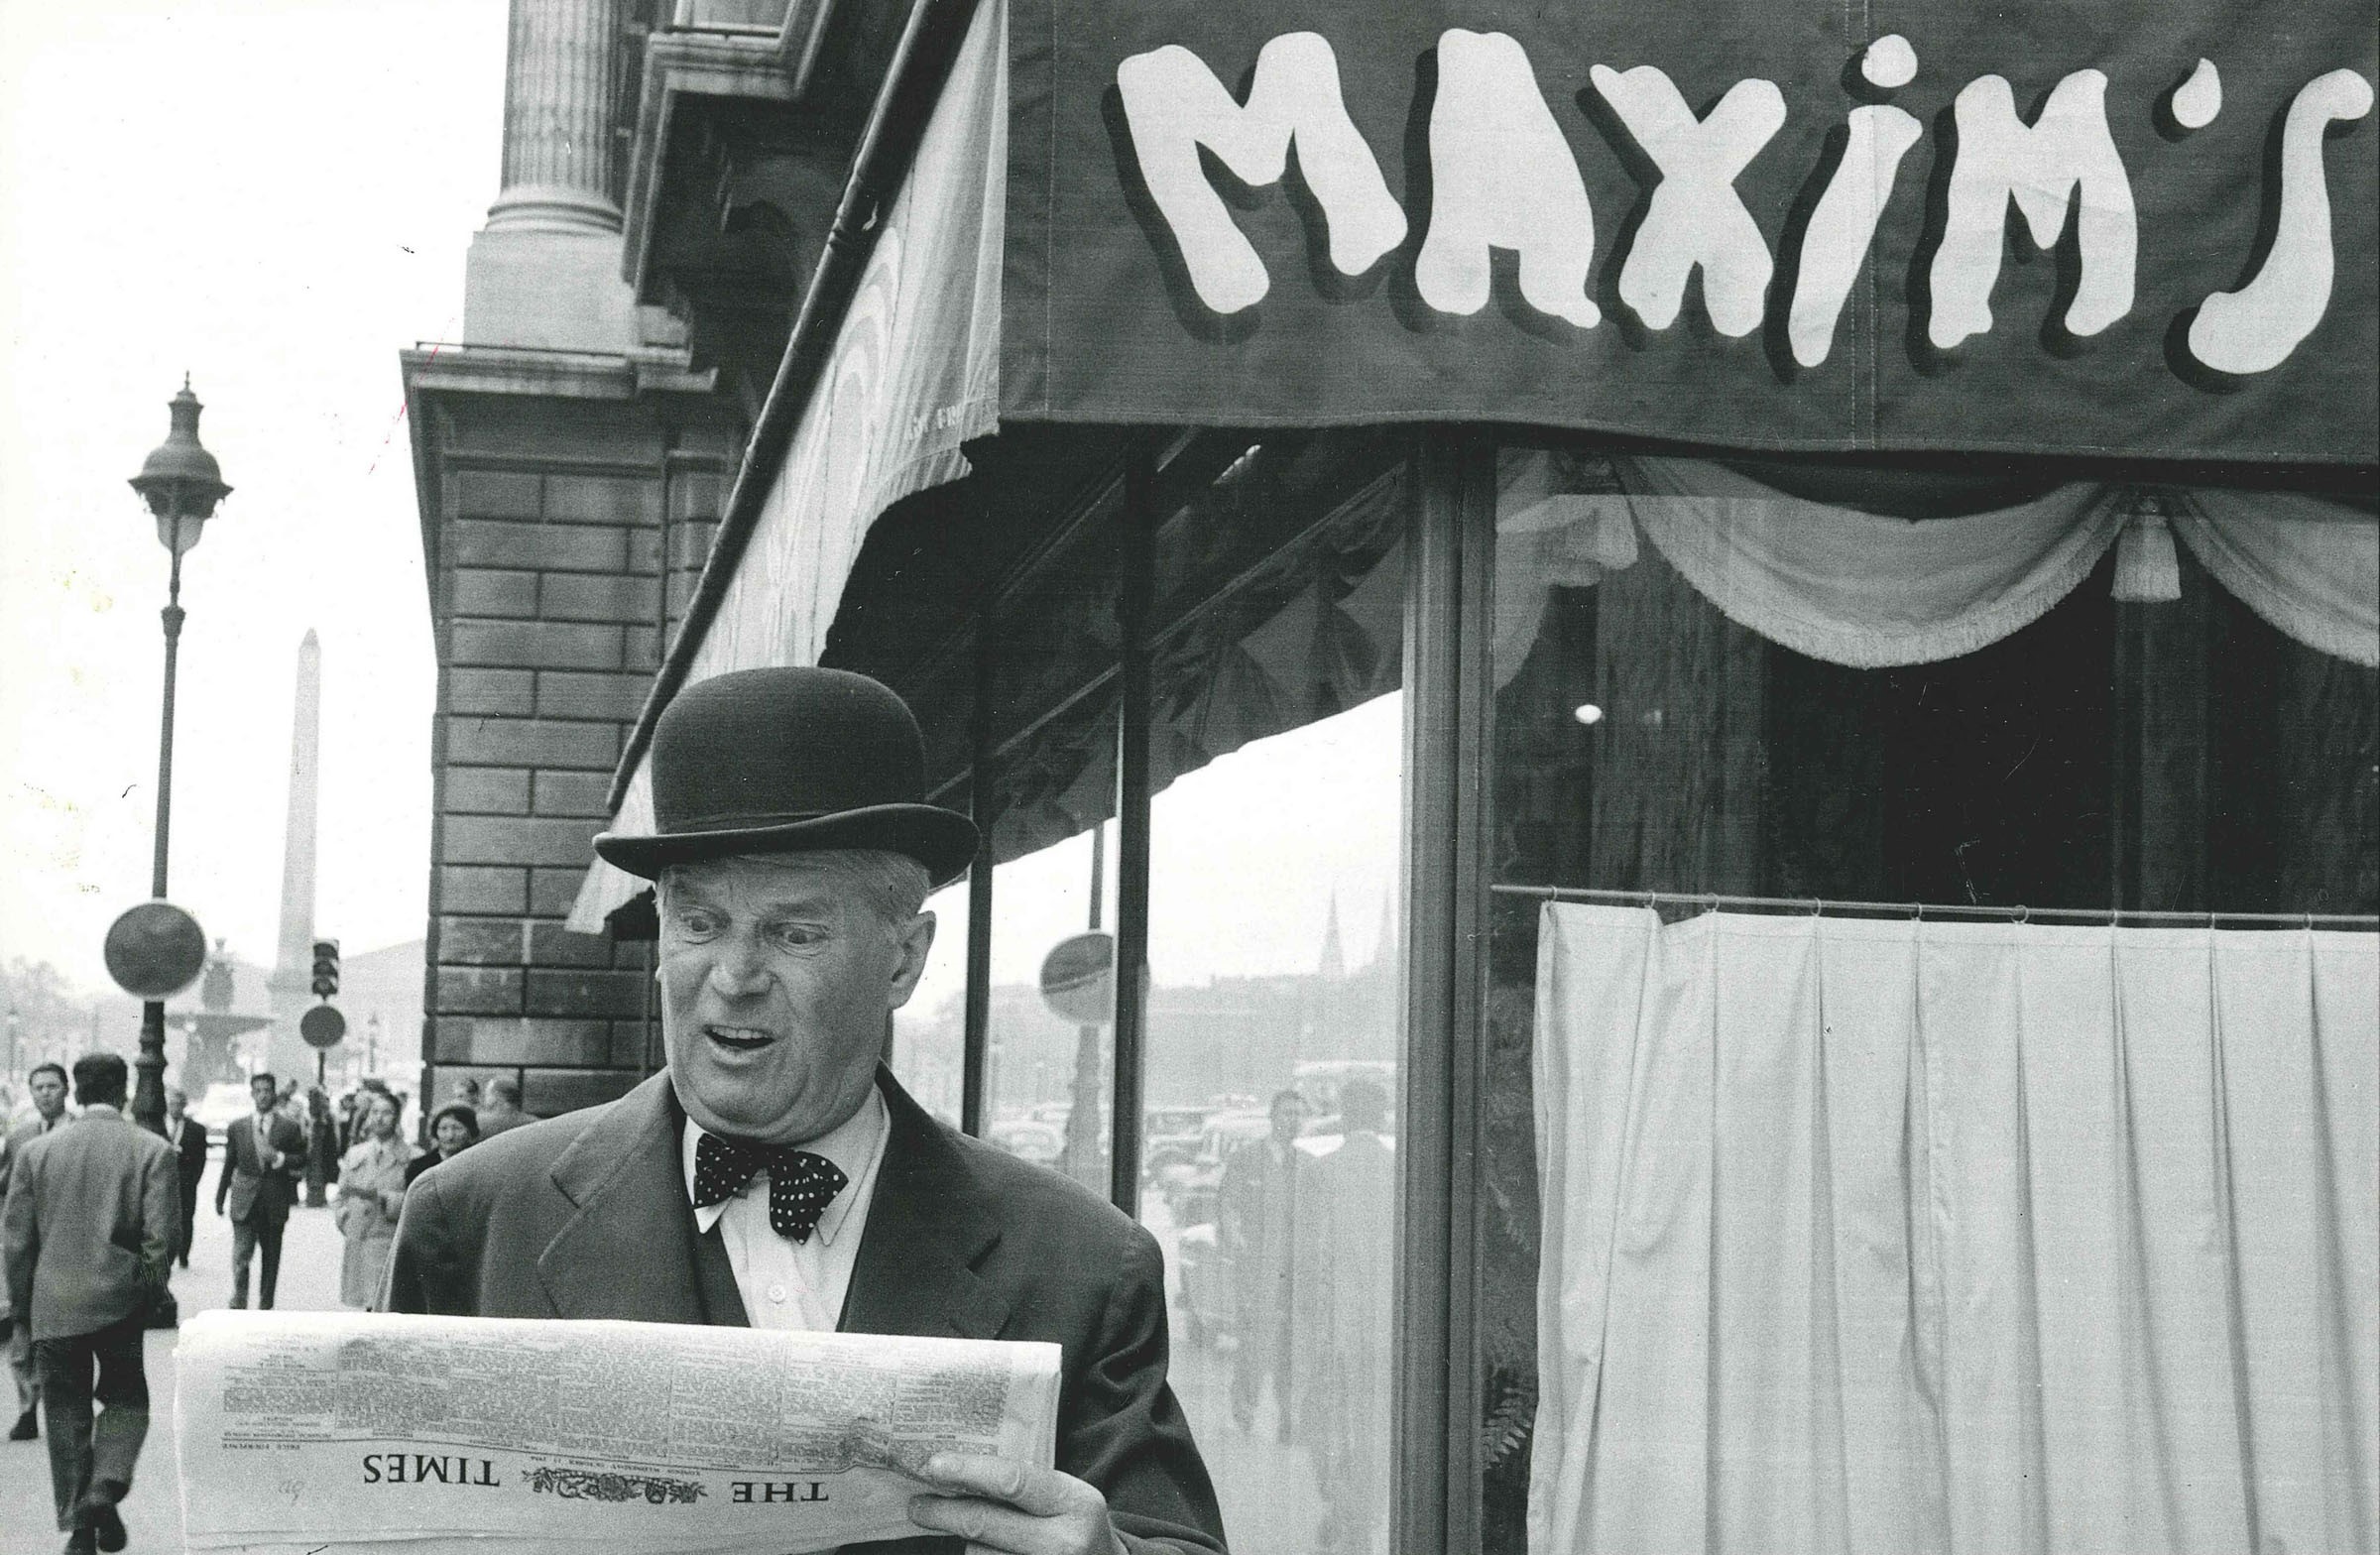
894 886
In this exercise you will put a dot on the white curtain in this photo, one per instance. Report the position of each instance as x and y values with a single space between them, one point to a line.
1904 1236
1865 590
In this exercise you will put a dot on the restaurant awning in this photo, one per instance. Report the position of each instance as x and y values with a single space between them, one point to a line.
2077 232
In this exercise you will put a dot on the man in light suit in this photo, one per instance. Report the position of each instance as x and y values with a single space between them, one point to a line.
264 1155
792 859
90 1224
47 1085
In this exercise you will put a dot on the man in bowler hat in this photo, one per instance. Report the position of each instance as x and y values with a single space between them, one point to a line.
776 1175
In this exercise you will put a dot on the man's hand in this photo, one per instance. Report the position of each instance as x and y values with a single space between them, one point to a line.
998 1503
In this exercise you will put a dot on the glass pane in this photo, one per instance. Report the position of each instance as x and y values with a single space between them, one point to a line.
1048 1078
929 1032
1268 1168
2171 756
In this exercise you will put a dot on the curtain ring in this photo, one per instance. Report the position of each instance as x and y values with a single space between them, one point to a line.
2024 915
1818 908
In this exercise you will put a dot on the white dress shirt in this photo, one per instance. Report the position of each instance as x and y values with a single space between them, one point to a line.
797 1284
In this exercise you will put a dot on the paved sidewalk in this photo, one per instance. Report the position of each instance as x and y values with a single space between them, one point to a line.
309 1281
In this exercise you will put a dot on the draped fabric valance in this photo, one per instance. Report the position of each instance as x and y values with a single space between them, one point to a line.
1866 590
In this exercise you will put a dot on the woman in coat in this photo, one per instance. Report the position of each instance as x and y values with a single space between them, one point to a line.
455 1128
371 1192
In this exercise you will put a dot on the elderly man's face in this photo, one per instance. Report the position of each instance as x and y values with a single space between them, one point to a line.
778 981
49 1093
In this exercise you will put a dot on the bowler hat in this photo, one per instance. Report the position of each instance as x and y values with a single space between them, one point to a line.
789 761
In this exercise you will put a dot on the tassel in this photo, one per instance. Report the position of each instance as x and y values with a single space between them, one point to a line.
2146 570
1613 541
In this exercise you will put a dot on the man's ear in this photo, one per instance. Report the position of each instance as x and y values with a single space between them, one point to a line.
911 941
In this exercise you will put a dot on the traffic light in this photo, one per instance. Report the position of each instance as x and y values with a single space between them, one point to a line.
326 968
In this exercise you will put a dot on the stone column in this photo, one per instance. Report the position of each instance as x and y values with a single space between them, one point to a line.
562 75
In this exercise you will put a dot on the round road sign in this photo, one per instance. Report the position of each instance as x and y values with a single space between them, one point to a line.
155 950
1078 978
322 1027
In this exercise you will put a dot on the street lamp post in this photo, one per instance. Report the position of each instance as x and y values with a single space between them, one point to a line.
180 483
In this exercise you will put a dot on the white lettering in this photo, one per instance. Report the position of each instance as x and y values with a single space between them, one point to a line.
1501 177
2253 329
1845 224
1696 216
2040 167
1888 62
2198 100
1174 105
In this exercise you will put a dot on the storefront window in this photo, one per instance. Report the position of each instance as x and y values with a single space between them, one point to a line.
1048 1076
929 1032
1269 1156
1675 717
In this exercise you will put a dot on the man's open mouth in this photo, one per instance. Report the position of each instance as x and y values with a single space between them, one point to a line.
739 1038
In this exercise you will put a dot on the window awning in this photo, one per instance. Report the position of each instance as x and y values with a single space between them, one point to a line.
1740 227
913 375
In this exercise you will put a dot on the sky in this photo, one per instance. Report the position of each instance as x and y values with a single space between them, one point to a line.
273 196
1247 855
276 197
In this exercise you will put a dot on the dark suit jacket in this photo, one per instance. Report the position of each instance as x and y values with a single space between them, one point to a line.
190 1152
255 1193
585 1216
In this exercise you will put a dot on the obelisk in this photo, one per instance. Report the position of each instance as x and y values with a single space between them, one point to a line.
292 962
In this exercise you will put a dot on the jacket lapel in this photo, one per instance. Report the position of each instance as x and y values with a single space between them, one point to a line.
629 1249
928 1225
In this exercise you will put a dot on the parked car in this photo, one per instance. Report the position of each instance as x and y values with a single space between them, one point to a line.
1030 1141
1170 1137
223 1101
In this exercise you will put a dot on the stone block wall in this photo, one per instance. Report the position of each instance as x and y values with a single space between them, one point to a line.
565 540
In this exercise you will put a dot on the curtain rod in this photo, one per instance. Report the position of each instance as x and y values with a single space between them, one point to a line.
1816 907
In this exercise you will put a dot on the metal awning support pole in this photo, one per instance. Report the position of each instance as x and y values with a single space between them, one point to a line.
1132 840
1448 696
921 62
975 1051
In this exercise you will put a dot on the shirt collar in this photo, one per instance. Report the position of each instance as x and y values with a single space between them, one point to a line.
99 1108
853 1146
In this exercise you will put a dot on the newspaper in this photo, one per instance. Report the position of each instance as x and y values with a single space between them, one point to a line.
374 1434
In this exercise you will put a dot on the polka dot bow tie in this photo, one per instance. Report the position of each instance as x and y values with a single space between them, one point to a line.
800 1184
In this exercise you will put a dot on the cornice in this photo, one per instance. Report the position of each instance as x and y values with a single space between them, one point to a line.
750 65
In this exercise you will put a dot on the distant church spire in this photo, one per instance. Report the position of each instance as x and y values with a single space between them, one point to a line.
1334 957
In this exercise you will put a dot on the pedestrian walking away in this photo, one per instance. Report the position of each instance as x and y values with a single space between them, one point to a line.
372 1181
264 1155
90 1224
46 1087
